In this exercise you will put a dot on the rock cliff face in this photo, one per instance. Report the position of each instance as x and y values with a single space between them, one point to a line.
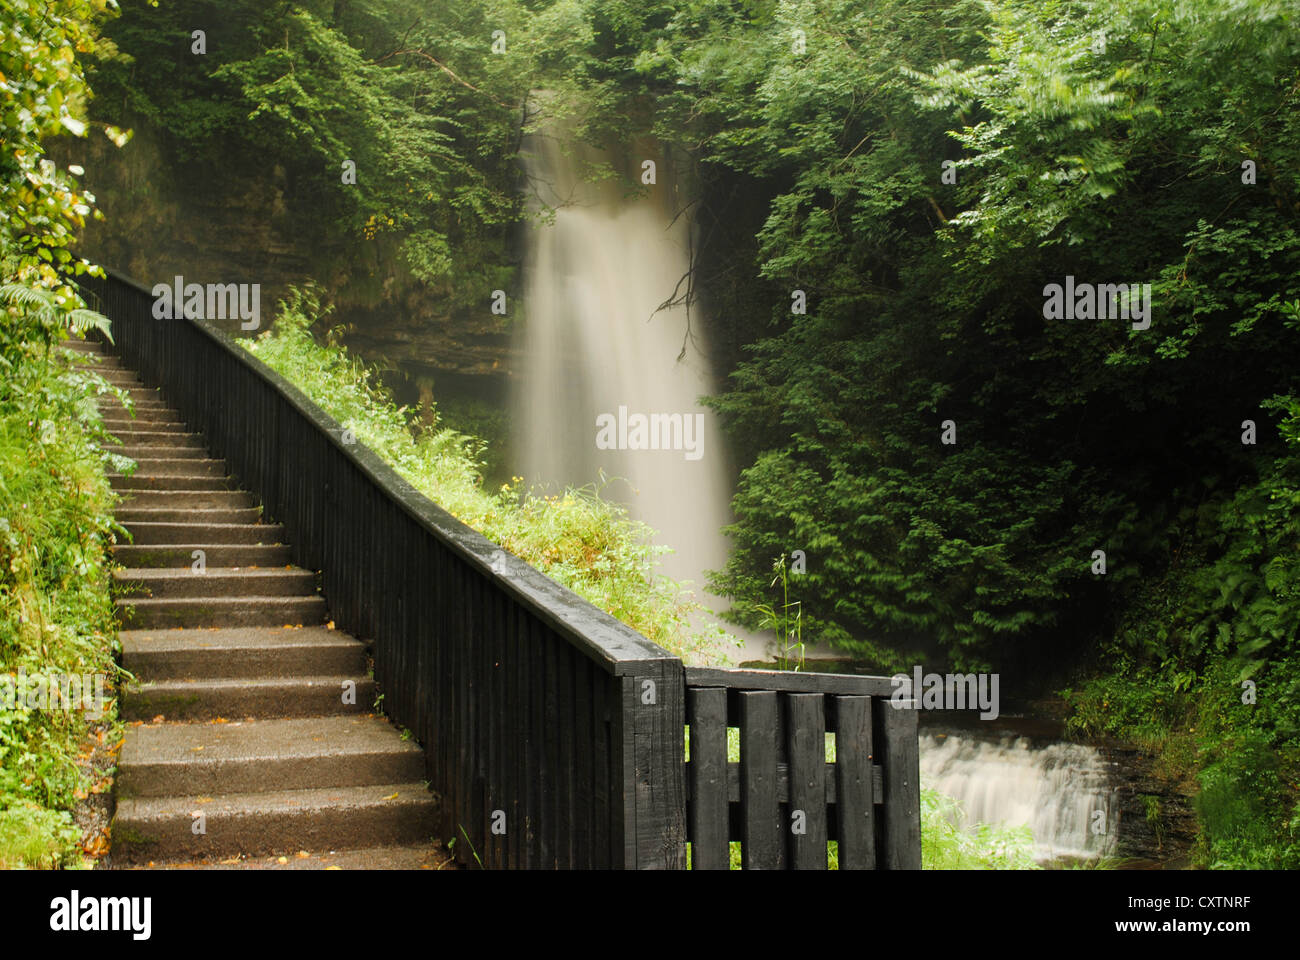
1157 820
163 219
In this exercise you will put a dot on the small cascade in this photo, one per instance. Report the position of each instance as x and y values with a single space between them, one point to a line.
1062 791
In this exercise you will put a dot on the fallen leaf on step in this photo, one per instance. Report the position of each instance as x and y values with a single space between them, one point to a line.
282 860
303 854
393 797
334 868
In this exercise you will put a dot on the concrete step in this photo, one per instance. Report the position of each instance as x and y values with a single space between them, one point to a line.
138 393
119 379
128 514
187 499
173 439
172 466
144 412
110 406
209 533
173 482
241 652
161 828
131 420
165 451
169 424
82 346
176 582
221 555
249 697
196 759
416 856
241 611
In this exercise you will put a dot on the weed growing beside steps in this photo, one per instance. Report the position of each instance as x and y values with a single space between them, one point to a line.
56 613
584 542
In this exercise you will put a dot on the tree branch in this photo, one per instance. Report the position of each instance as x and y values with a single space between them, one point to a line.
444 68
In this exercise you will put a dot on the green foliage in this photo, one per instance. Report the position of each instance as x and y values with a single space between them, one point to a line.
1205 668
56 524
584 542
409 92
925 297
945 846
32 836
56 615
786 620
1107 141
1251 820
43 93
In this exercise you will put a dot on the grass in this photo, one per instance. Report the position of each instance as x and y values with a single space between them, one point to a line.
983 846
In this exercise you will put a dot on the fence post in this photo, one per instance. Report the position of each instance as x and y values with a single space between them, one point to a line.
902 808
654 761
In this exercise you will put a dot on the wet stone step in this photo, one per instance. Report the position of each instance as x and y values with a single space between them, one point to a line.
243 697
232 652
240 611
171 582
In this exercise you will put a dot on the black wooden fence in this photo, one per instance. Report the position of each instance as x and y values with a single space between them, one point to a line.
552 732
782 801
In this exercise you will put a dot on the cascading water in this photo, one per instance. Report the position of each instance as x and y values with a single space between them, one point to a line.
596 345
1061 791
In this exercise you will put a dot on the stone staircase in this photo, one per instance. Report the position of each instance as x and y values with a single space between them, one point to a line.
250 732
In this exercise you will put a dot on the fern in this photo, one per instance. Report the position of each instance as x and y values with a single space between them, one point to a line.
44 307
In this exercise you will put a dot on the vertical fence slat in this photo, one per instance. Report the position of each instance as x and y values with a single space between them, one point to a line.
605 752
902 807
761 839
855 794
525 763
550 796
706 713
806 749
584 766
567 850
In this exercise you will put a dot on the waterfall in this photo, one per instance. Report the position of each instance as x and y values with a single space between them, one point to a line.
1061 791
595 345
